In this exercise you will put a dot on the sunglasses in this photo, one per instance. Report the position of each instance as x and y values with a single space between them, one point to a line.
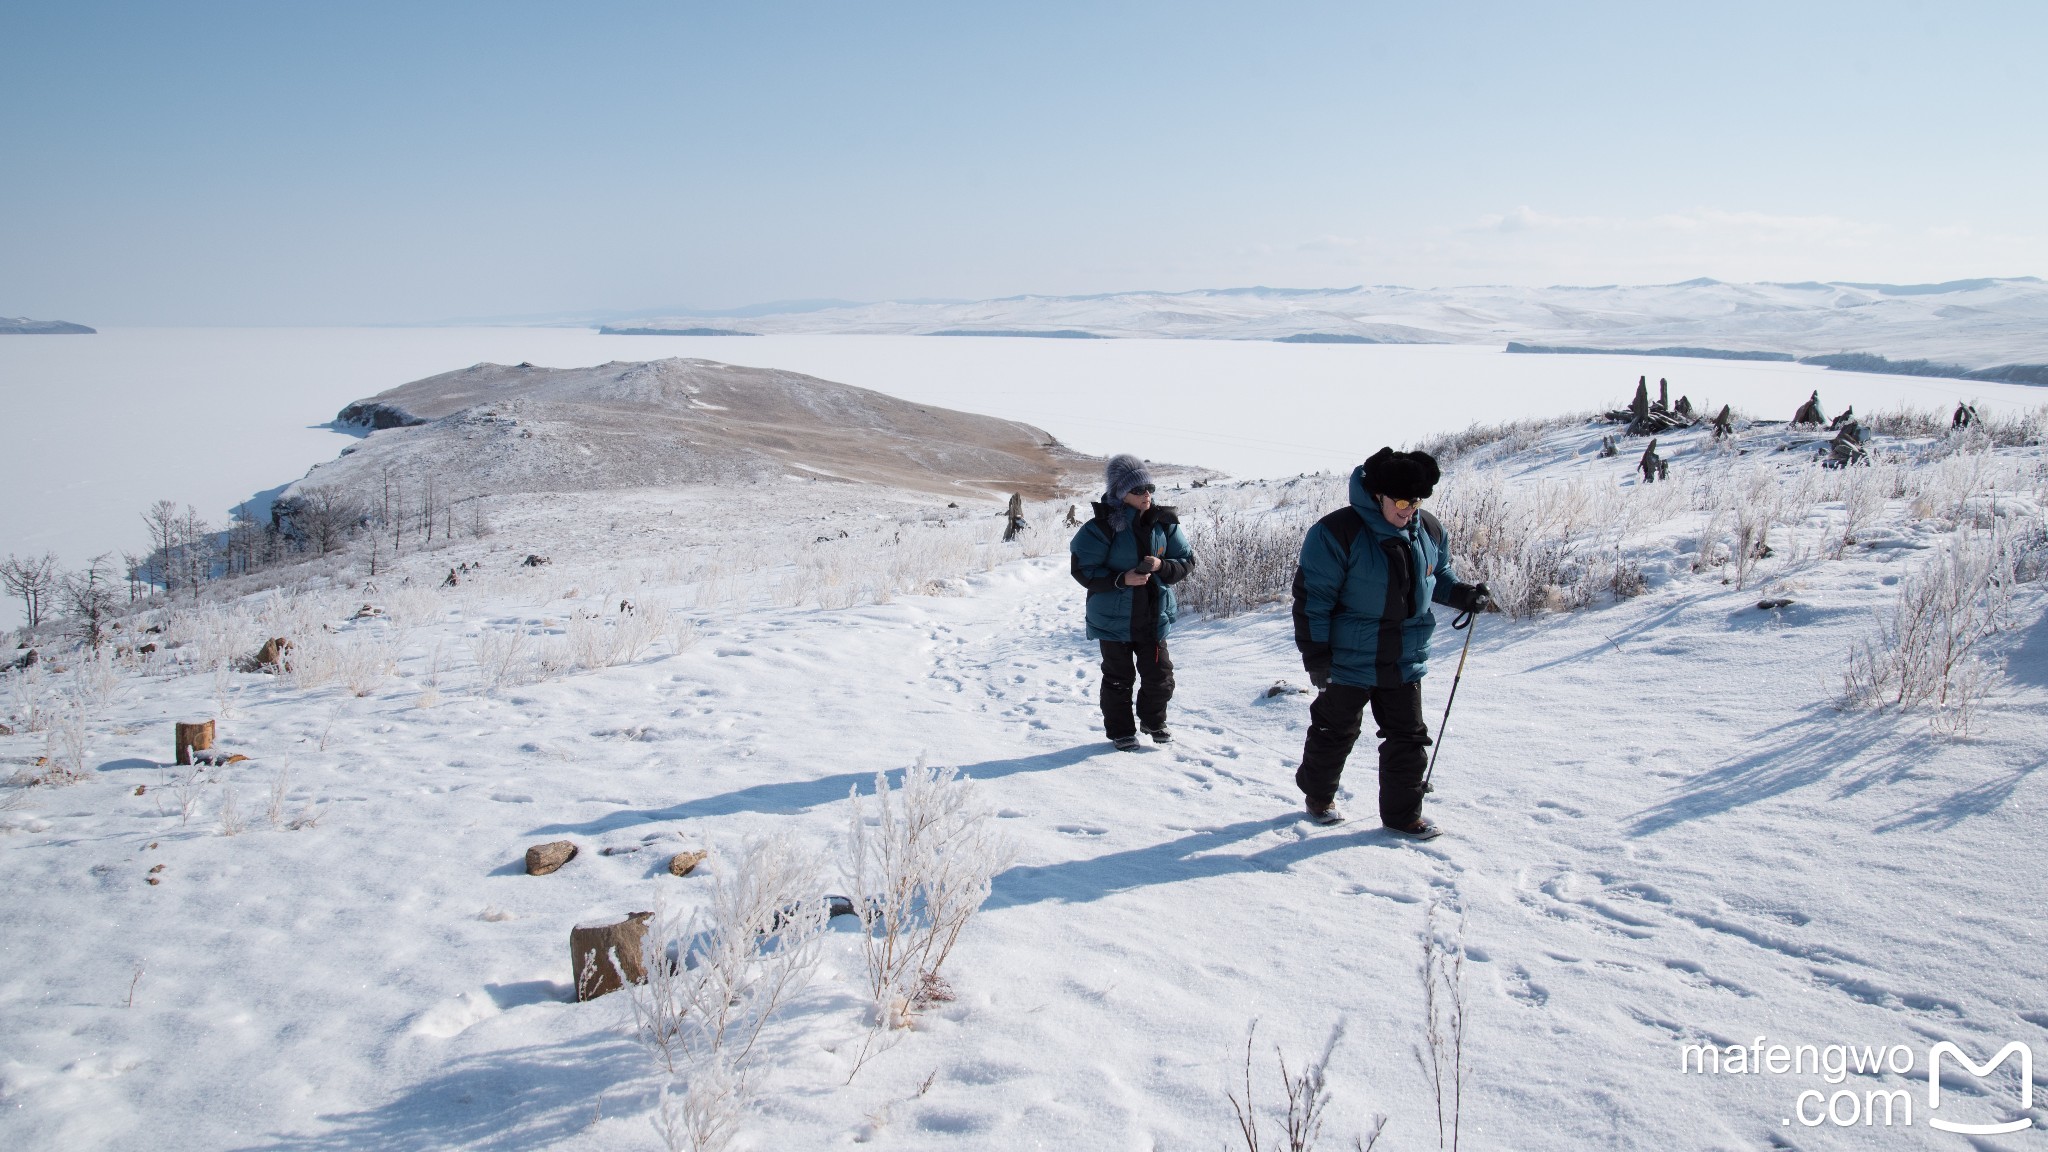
1144 489
1404 505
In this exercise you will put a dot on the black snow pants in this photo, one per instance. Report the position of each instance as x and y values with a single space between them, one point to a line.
1143 663
1334 721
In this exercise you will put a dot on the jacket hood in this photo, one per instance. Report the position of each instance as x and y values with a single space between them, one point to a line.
1368 507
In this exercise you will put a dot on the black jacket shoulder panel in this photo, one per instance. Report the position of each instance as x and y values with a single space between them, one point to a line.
1433 526
1344 524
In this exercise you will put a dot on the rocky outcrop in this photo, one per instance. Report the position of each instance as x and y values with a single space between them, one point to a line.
373 415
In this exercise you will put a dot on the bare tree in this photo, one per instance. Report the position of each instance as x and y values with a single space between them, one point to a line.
391 510
195 549
32 578
137 568
430 497
162 521
89 599
324 517
243 548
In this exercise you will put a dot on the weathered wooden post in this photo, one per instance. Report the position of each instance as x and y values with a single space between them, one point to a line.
1017 525
191 736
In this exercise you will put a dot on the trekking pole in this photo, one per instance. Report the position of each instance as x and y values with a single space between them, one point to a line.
1469 620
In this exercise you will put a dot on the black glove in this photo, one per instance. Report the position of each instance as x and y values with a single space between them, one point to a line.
1315 660
1473 598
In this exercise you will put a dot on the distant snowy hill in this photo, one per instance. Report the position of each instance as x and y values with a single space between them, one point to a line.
1970 323
23 326
500 429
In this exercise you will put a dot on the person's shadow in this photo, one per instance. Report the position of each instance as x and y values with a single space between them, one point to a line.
1195 856
792 796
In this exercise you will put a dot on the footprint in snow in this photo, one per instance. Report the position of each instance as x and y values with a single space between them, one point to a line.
1517 984
1081 830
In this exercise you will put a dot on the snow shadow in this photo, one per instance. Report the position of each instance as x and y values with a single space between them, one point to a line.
2028 661
1806 752
1978 800
1192 857
517 1098
792 796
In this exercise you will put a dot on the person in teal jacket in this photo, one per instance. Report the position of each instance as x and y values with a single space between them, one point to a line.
1129 557
1362 621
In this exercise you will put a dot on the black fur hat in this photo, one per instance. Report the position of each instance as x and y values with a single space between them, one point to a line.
1401 475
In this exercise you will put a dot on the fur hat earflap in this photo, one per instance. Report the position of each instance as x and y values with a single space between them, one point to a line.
1123 475
1401 475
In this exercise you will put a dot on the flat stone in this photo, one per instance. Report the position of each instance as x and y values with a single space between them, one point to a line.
542 859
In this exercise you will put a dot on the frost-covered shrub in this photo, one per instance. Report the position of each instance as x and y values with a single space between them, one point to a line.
922 861
364 662
29 697
501 657
1539 546
715 980
1483 443
1243 560
1926 646
67 753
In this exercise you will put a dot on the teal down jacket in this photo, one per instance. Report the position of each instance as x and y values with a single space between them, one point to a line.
1100 555
1365 608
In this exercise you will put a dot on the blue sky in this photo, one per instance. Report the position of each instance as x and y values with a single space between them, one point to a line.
278 163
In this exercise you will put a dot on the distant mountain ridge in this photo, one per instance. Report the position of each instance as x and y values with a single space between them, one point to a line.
1972 324
23 326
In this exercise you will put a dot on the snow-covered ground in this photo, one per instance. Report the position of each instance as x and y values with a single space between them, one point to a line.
209 417
1662 832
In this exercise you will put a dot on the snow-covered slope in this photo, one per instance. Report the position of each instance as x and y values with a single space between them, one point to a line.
491 428
1972 323
1663 832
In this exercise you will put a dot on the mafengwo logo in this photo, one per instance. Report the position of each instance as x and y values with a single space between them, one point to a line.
1875 1107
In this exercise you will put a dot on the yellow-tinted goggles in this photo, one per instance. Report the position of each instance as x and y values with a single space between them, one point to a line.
1404 505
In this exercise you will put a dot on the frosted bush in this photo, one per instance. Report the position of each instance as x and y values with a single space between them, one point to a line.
414 607
716 979
1243 560
30 698
1926 649
364 662
922 861
68 745
501 658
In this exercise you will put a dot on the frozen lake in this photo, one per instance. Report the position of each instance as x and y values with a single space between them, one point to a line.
107 424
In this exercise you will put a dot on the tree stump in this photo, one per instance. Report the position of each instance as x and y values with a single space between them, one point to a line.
192 736
1809 413
600 953
542 859
1017 524
684 863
